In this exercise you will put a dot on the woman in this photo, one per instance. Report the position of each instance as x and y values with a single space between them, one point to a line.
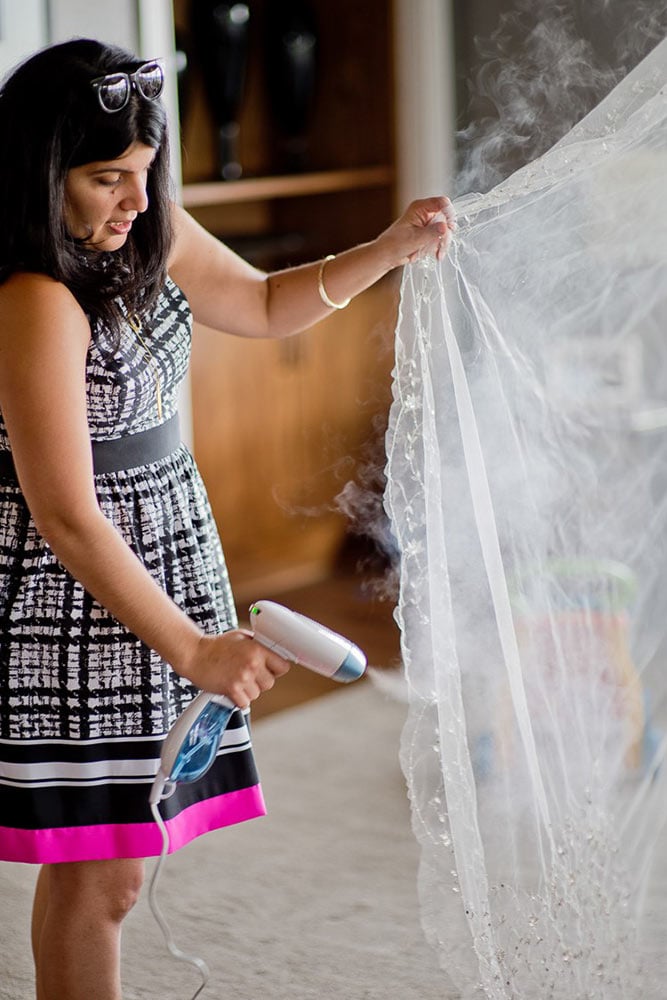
114 598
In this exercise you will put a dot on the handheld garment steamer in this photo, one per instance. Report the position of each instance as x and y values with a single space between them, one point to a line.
191 745
192 742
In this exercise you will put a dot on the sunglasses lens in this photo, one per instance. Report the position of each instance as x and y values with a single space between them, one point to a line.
114 92
150 81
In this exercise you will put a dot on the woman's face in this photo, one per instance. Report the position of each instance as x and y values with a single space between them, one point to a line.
103 199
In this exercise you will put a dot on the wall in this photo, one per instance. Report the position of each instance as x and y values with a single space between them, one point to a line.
23 28
425 99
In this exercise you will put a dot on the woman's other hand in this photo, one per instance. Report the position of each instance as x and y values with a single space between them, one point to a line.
236 665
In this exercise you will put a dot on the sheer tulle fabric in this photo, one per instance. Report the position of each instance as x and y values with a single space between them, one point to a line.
527 475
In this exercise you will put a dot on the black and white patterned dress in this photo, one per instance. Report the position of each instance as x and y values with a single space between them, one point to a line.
84 705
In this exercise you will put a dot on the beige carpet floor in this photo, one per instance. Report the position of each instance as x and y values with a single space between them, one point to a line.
315 902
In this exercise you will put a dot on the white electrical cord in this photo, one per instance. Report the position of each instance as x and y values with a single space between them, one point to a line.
176 952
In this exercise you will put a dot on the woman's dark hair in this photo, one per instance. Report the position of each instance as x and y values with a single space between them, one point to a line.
51 121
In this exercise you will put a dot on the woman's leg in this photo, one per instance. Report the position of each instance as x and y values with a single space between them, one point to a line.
77 917
39 905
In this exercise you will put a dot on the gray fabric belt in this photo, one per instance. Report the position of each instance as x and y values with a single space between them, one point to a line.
121 453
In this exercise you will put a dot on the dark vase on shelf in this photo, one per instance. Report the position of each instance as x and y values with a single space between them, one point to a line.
221 32
183 74
291 49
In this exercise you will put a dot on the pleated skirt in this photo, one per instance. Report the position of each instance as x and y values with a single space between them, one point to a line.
85 705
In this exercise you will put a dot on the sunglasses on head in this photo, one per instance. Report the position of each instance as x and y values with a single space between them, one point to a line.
113 90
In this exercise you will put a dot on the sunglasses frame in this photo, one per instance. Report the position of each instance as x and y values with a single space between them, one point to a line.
132 80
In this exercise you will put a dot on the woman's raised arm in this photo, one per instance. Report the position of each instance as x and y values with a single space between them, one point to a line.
227 294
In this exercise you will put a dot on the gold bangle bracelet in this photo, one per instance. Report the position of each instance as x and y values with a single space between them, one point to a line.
322 290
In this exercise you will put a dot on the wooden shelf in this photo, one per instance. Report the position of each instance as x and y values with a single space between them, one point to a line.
306 408
287 186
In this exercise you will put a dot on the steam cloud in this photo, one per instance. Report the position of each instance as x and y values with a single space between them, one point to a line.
543 68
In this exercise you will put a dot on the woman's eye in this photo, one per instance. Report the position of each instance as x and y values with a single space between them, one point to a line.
109 181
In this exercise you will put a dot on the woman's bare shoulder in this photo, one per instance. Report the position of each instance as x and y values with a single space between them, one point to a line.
35 298
29 285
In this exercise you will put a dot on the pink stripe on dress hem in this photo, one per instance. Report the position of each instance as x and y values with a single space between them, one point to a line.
129 840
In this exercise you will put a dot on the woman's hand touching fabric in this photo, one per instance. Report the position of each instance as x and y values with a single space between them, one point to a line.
425 228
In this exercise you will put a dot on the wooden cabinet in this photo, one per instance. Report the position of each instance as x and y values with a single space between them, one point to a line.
281 427
278 427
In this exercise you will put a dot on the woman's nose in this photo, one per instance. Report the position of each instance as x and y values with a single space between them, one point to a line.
136 198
